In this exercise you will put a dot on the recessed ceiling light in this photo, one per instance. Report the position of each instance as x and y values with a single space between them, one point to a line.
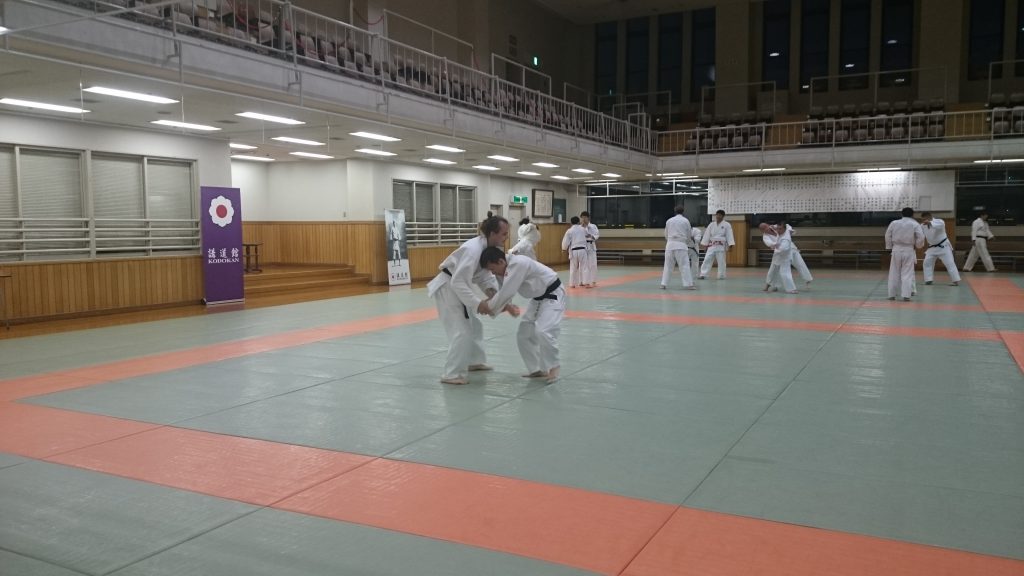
438 161
186 125
445 148
297 141
375 152
311 155
503 158
41 105
558 177
485 167
269 118
545 164
255 158
583 170
612 175
129 95
373 136
528 173
241 146
764 169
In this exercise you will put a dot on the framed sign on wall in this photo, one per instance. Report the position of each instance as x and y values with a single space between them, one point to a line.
542 203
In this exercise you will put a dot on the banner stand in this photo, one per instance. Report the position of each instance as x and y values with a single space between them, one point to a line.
221 232
397 252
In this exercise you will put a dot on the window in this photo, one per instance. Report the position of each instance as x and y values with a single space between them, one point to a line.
1020 38
117 187
646 204
814 18
897 41
606 57
985 42
703 49
637 48
670 54
456 203
854 43
775 57
999 191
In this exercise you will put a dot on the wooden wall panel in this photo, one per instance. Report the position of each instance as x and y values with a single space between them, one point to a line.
738 255
549 251
47 289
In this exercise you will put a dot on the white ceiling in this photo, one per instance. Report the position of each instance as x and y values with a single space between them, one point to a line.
592 11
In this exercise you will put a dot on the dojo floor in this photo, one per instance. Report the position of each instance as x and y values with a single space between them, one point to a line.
718 432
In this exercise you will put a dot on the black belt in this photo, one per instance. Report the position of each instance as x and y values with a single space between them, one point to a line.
580 248
549 291
465 311
590 241
939 245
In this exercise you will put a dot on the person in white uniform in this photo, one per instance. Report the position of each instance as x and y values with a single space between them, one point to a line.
903 237
939 248
590 271
717 239
777 238
529 237
575 242
541 323
980 235
677 249
452 290
798 260
694 251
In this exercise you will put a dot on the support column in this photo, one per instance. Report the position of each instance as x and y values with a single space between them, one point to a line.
732 56
941 44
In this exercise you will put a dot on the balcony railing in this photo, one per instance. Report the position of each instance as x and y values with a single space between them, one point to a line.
439 233
28 239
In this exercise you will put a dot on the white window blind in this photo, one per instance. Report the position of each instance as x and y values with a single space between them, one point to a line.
466 209
425 202
401 199
169 189
117 187
51 184
8 194
449 211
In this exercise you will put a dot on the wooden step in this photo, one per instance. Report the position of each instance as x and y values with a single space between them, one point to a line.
279 278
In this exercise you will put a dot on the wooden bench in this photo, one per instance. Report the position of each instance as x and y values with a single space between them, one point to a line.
623 250
856 259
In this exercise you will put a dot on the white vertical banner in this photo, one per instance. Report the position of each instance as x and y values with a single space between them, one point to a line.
397 253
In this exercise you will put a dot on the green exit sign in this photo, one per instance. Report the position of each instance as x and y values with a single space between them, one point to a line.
519 199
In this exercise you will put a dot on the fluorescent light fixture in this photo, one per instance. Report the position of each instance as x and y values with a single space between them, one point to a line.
2 29
877 169
678 178
241 146
764 169
583 170
445 148
269 118
176 124
375 152
311 155
373 136
41 105
528 173
545 164
612 175
486 167
129 95
557 177
254 158
773 54
503 158
297 141
892 41
438 161
806 86
848 66
900 80
672 174
1003 161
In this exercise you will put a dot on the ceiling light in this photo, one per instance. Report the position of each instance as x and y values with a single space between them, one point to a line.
445 148
373 136
848 66
297 141
256 158
806 86
764 169
311 155
545 164
773 54
241 146
528 173
612 175
375 152
583 170
129 95
485 167
556 177
41 105
187 125
671 174
2 29
890 42
877 169
503 158
1003 161
677 178
438 161
269 118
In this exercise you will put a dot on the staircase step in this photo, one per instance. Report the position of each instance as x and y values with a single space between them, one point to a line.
273 276
290 285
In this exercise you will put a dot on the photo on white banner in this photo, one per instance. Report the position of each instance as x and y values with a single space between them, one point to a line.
397 252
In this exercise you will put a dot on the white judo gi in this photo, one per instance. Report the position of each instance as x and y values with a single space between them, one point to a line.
939 248
541 323
575 242
677 250
902 237
590 271
798 260
780 271
457 304
529 237
980 235
717 237
694 251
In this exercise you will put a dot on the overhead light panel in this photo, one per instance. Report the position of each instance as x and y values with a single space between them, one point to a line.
486 167
254 158
241 146
129 95
995 161
297 141
528 173
438 161
773 54
558 177
503 158
612 175
877 169
41 106
375 152
373 136
671 174
545 164
186 125
311 155
445 148
764 169
583 170
269 118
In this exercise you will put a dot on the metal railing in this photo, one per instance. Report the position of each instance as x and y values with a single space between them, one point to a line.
27 239
438 233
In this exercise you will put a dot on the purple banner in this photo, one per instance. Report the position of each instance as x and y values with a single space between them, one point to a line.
220 210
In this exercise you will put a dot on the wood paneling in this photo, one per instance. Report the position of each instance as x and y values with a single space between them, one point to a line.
549 250
738 255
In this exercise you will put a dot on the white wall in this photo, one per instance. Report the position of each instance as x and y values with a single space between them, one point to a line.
251 179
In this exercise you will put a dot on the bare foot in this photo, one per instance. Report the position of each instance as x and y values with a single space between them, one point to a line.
792 291
955 284
689 287
766 287
479 367
553 374
662 286
454 381
537 374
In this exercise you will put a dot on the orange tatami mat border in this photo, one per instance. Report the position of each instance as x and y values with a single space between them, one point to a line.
997 294
776 300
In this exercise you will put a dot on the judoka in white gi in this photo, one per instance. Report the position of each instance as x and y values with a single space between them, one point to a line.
718 239
798 260
542 320
777 238
903 237
590 271
678 236
575 242
529 237
694 251
457 301
939 248
980 235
